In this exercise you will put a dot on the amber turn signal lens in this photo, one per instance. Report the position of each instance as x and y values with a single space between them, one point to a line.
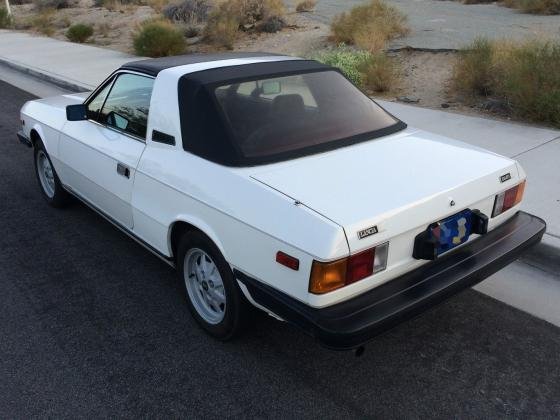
508 199
326 277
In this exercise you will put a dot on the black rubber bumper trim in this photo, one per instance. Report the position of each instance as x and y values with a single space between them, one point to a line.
22 138
350 324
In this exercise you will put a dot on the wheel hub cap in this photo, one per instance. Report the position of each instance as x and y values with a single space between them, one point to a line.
204 286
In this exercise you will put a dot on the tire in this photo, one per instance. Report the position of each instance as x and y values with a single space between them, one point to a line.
49 183
220 309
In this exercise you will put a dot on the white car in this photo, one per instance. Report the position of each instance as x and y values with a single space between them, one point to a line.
272 181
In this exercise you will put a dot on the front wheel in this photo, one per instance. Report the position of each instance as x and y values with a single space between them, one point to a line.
213 296
50 184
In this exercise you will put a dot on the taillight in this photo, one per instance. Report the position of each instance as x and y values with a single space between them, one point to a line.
326 277
508 199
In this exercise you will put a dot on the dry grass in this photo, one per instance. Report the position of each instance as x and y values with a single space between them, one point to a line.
306 6
538 7
221 30
231 16
369 26
524 75
43 22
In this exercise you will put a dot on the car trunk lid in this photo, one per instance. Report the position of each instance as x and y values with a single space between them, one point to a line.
390 185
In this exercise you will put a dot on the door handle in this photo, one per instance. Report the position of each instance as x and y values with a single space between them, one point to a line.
123 170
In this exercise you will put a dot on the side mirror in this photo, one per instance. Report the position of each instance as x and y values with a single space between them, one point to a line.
76 112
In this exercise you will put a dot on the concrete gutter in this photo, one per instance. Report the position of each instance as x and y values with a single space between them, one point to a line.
43 75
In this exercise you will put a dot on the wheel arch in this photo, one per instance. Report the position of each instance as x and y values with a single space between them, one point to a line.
185 224
34 136
37 134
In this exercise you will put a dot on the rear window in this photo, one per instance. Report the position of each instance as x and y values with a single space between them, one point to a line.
284 115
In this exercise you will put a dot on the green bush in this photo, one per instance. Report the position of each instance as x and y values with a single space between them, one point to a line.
79 32
5 18
158 39
371 71
524 75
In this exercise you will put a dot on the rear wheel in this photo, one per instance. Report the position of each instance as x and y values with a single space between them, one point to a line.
213 296
50 184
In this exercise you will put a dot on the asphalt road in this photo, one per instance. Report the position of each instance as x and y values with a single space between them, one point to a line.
92 325
437 24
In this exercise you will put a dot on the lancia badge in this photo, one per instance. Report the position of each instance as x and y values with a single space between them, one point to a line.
505 177
367 232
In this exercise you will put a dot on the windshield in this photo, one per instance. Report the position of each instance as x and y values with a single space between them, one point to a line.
286 114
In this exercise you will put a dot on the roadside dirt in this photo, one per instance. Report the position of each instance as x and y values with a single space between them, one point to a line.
424 76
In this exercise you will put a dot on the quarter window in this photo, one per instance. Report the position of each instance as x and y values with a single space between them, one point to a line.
127 105
96 103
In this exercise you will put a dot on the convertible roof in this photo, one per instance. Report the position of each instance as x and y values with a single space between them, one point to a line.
204 128
153 66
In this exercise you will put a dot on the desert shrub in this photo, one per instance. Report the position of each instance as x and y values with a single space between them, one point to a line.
43 22
541 7
155 38
157 5
379 73
524 75
51 4
249 12
232 15
79 32
5 18
369 26
221 30
475 73
191 12
272 24
306 6
371 71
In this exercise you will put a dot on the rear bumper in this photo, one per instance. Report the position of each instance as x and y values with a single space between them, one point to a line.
352 323
23 139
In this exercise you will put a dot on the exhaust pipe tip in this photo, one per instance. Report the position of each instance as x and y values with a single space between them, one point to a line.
359 352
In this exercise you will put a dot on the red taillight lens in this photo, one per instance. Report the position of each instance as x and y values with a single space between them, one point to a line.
326 277
508 199
360 266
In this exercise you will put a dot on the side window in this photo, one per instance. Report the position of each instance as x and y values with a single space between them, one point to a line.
128 103
96 103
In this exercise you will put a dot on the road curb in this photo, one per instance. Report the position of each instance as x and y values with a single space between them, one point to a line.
545 255
46 77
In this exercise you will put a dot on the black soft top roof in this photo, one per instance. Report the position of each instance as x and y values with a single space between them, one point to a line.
204 127
153 66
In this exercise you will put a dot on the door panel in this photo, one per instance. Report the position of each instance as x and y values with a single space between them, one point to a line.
100 155
91 154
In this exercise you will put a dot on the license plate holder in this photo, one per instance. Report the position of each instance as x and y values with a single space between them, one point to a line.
452 231
449 233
